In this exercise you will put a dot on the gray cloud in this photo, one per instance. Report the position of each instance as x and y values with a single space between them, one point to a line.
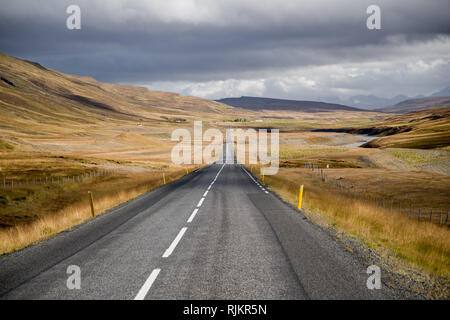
198 46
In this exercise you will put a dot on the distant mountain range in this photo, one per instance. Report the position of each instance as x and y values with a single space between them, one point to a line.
257 104
372 102
397 104
412 105
442 93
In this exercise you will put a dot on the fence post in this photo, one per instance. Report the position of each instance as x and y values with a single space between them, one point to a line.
440 218
91 200
419 215
300 197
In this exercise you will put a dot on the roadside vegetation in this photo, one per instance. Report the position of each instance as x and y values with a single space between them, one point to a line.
416 157
423 244
35 209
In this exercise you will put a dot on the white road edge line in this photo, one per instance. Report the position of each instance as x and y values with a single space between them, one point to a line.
206 192
147 285
255 181
192 215
174 243
200 202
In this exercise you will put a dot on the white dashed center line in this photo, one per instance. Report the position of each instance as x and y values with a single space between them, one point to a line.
174 243
147 285
200 202
192 215
149 282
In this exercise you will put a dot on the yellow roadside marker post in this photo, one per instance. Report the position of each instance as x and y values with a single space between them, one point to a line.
300 197
263 178
187 171
164 178
91 200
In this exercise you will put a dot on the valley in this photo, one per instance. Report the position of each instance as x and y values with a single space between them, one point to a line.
62 136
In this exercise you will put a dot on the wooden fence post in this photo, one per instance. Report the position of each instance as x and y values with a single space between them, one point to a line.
91 201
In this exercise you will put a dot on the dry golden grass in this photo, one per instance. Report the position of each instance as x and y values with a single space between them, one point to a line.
106 196
52 98
427 129
318 140
290 152
422 189
423 244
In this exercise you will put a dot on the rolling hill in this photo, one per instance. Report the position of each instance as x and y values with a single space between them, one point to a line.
32 93
425 129
257 104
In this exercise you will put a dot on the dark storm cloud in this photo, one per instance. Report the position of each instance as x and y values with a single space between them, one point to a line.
186 40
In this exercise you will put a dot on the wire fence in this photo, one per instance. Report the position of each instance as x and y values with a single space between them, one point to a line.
10 183
400 206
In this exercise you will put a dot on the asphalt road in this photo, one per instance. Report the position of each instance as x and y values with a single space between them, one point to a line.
214 234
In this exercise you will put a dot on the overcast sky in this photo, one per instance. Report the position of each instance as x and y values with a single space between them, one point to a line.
222 48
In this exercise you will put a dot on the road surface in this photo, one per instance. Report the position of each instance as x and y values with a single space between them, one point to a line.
214 234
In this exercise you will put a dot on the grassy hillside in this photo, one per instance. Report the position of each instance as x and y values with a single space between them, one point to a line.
31 93
426 129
